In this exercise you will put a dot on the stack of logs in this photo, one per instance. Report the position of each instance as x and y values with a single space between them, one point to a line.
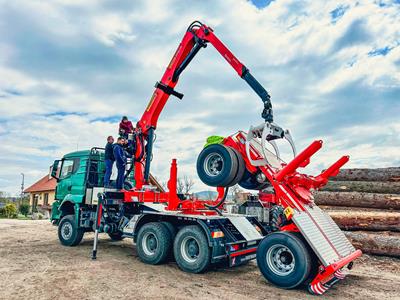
365 203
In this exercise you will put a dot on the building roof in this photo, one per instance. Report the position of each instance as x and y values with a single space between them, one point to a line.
44 184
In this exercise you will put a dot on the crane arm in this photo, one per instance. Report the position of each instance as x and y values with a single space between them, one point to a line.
197 36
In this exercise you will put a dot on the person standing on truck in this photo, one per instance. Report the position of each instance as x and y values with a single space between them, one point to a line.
120 161
108 160
125 127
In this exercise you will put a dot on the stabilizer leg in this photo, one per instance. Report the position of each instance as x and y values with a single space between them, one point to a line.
98 221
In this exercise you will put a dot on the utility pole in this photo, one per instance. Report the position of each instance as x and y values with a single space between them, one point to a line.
22 188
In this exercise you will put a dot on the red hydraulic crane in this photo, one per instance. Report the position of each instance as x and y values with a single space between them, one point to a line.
197 36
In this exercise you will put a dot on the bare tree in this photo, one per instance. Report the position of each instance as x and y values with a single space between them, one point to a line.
188 183
184 185
180 186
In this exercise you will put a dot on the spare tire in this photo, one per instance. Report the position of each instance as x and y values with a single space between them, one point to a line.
241 167
217 165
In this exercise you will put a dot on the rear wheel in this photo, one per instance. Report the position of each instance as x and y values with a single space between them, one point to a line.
191 250
284 259
154 243
68 232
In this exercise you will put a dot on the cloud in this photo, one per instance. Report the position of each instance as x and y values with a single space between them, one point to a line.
70 69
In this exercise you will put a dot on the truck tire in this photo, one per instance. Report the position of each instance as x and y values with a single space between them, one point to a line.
171 229
241 167
68 232
217 165
116 236
172 232
154 243
191 250
284 259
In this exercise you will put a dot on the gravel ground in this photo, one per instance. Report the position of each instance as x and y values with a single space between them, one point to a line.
33 265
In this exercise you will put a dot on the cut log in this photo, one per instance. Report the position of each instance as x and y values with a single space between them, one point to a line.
356 199
350 219
379 174
363 186
380 243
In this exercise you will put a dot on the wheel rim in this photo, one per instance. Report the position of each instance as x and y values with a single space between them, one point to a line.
280 260
190 249
149 243
66 231
213 164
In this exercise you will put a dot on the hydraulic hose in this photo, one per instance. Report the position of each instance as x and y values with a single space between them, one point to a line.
216 206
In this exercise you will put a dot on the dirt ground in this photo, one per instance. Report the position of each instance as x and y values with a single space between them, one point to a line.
33 265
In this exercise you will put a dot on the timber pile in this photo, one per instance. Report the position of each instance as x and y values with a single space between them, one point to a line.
365 203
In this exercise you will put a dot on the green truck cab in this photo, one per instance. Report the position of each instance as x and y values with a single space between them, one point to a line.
77 173
80 177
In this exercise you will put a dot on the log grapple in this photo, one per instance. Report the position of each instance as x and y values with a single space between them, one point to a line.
302 222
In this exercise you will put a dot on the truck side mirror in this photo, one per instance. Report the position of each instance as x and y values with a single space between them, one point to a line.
54 169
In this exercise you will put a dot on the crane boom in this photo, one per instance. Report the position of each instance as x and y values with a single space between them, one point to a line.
197 36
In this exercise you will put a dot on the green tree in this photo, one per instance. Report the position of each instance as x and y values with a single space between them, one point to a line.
10 210
24 208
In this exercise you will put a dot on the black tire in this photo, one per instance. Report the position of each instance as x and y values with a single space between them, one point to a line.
277 217
172 231
68 232
116 236
171 228
191 250
217 165
249 182
288 268
241 167
153 243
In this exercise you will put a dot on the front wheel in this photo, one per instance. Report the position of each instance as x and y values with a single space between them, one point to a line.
284 259
68 232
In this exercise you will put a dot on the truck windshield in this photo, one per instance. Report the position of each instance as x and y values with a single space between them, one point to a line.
67 168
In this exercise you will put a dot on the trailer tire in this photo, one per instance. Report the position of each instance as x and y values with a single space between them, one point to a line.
68 232
217 165
284 259
153 243
191 250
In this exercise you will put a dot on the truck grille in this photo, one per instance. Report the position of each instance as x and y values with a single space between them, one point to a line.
323 235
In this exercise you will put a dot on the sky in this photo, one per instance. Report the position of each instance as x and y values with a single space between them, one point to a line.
70 69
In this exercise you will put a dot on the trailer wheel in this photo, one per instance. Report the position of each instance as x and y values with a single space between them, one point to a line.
191 250
217 165
154 243
68 232
284 259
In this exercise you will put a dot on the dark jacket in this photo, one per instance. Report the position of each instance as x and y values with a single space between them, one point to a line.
109 153
119 155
